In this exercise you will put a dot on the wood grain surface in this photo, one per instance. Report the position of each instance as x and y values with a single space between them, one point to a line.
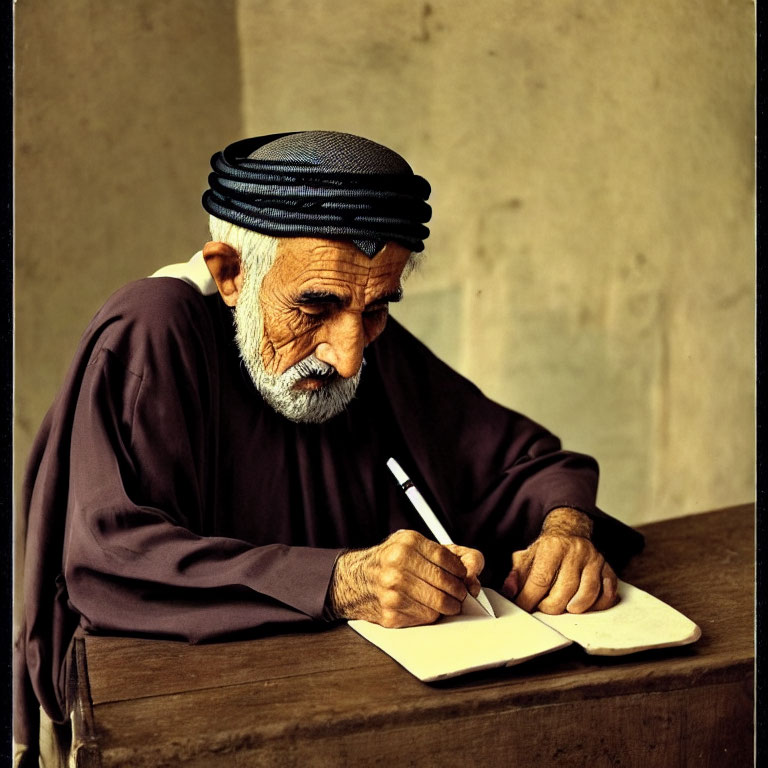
331 698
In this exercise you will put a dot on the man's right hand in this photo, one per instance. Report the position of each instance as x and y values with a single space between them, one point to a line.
405 581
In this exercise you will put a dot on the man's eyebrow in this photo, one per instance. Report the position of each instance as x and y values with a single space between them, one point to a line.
329 297
387 298
320 297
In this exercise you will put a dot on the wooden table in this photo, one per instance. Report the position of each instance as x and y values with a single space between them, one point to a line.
330 698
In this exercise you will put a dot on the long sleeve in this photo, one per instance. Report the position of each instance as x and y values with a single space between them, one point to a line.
141 552
126 523
164 498
493 473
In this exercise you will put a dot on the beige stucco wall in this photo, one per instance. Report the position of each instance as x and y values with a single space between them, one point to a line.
591 261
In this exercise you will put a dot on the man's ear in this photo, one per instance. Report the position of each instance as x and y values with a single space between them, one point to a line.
223 263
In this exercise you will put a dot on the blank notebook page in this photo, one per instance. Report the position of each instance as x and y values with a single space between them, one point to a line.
638 622
467 642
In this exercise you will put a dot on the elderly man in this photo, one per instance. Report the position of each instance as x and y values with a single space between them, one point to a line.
215 463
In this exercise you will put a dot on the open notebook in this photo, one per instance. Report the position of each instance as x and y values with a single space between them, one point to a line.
473 640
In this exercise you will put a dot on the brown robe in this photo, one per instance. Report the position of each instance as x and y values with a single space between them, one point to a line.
164 498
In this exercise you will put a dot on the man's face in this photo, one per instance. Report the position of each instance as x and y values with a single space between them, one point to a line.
302 332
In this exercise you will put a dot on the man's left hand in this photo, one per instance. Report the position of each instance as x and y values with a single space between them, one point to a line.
562 570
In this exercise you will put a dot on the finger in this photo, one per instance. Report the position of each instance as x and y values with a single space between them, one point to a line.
442 556
403 540
521 561
565 587
400 620
609 595
426 570
425 559
516 577
473 585
511 585
472 559
474 562
540 579
400 610
589 588
405 592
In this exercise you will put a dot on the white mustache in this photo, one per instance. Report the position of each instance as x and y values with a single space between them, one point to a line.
311 366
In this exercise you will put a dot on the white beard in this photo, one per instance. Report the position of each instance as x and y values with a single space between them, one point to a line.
311 406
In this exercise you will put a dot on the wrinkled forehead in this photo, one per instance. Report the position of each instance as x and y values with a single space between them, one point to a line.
320 264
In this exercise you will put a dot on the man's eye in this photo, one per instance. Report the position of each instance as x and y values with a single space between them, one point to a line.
376 311
314 310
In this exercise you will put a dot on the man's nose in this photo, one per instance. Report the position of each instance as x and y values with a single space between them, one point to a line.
343 344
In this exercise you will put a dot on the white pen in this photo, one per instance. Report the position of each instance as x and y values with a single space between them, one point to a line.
429 517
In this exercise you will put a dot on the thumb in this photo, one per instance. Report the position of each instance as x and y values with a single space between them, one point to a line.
515 580
472 559
511 585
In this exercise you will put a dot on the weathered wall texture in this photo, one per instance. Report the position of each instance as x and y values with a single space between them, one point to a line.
591 262
592 249
118 108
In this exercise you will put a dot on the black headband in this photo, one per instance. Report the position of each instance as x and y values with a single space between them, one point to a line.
312 198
